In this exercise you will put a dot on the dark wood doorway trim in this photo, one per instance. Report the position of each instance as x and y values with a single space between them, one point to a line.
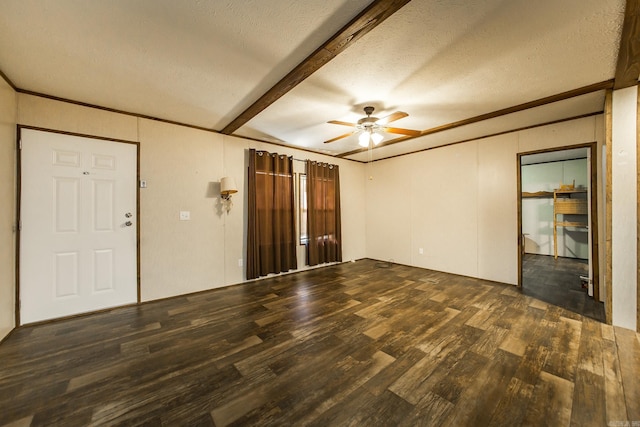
608 139
593 182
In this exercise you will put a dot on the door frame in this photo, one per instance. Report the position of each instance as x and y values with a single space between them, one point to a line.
593 182
18 228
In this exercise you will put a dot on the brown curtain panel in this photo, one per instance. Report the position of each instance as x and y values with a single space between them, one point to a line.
323 213
271 241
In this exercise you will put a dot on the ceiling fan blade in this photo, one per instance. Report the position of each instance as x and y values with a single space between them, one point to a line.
392 117
401 131
340 137
338 122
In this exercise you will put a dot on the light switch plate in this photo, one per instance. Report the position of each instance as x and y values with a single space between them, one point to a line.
185 215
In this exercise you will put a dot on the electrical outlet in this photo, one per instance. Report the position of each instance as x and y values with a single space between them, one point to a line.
239 262
421 251
185 215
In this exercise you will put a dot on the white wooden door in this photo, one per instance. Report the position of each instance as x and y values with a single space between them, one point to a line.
78 225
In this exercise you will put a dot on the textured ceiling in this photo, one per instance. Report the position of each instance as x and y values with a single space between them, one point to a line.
203 63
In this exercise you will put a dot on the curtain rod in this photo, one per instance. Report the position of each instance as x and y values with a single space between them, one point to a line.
298 160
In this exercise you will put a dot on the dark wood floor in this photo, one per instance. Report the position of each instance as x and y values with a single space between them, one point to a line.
352 344
557 281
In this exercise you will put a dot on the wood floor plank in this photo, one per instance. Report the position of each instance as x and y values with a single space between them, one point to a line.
607 332
551 402
513 405
385 409
347 412
589 402
23 422
444 335
522 332
236 408
589 405
489 342
432 410
383 379
531 363
364 343
482 394
615 406
415 333
629 357
590 357
435 366
350 375
480 320
563 363
455 380
379 361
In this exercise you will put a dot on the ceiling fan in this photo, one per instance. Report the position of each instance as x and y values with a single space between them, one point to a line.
370 127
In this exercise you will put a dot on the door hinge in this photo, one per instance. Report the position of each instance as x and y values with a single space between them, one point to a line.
20 144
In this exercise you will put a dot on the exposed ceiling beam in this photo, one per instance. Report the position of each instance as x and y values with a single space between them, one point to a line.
607 84
628 67
368 19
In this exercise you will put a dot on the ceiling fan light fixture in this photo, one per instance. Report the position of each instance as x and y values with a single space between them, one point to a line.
363 139
376 137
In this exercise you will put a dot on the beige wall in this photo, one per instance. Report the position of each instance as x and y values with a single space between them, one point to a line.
182 167
459 203
7 207
178 257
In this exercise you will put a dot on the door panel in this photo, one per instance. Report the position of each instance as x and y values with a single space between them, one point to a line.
103 270
77 245
103 205
66 274
66 195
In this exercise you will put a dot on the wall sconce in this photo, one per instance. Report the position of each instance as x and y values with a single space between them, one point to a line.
227 188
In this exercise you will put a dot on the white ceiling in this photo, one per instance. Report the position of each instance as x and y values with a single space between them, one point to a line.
203 62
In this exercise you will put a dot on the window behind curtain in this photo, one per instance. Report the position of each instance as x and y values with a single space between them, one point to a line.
302 208
271 236
324 242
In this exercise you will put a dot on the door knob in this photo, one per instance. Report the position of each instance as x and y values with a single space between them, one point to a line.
128 223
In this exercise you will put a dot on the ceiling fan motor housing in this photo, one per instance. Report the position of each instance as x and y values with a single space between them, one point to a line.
368 122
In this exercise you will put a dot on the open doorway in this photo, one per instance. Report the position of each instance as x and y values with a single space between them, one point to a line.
558 227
